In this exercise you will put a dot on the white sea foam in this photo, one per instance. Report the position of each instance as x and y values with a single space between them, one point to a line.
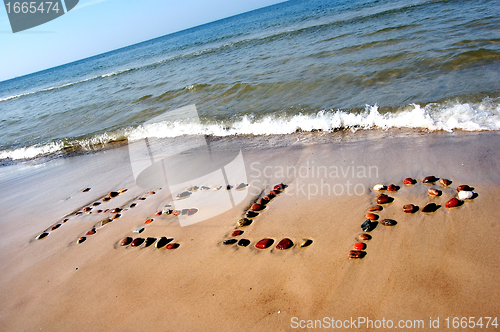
482 116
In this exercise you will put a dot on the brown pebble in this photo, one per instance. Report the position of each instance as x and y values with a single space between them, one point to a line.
284 244
357 254
392 187
371 216
430 179
90 232
364 237
137 242
445 182
388 222
464 187
126 241
409 208
375 208
112 194
56 226
434 192
409 181
383 199
237 232
255 207
87 209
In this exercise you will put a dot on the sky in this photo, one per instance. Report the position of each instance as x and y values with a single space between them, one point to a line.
98 26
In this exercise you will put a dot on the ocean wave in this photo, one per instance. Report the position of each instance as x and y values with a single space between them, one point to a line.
66 85
448 116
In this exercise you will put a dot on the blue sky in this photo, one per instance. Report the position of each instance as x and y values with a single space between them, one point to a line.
98 26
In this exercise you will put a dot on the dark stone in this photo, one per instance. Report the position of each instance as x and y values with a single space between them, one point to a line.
126 241
284 244
243 242
229 241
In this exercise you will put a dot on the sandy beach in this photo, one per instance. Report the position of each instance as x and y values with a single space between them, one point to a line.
428 267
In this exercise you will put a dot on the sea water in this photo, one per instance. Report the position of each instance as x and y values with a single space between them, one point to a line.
296 66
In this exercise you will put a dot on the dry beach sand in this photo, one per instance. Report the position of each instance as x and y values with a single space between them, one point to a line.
439 265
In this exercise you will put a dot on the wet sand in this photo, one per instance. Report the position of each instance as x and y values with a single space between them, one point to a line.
439 265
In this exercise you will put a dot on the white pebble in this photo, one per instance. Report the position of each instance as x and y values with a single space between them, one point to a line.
378 187
465 194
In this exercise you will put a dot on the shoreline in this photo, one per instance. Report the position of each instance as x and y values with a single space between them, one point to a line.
428 265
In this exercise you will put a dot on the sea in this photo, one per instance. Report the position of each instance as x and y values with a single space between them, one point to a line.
297 66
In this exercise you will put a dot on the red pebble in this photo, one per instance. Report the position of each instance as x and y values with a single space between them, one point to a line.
409 181
263 201
464 187
409 208
279 186
392 187
284 244
452 203
159 213
237 232
149 221
255 207
371 216
264 243
171 246
90 232
126 241
382 199
273 192
359 246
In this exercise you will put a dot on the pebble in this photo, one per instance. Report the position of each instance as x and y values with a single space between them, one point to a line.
112 194
121 191
86 190
464 187
367 226
192 211
42 236
364 237
184 194
375 208
284 244
126 241
56 226
392 187
171 246
305 243
383 199
150 241
452 203
90 232
379 187
229 241
445 182
137 242
264 243
252 214
359 246
139 230
81 240
263 201
434 192
243 222
243 242
409 181
430 179
237 232
465 194
241 186
357 254
162 242
431 207
255 207
149 221
371 216
409 208
388 222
